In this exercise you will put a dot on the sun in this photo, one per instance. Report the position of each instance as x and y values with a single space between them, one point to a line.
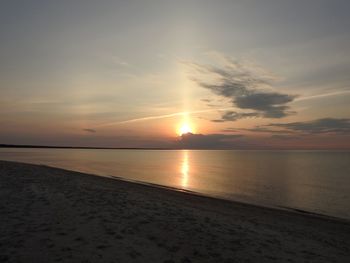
185 128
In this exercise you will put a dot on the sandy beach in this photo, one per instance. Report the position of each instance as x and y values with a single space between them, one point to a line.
53 215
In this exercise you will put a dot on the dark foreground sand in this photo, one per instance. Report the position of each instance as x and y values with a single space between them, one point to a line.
53 215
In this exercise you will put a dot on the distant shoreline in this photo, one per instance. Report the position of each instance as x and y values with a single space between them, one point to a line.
158 149
79 147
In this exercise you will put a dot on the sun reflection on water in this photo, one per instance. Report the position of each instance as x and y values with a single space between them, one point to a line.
185 168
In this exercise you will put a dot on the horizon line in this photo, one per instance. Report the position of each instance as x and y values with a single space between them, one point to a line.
163 148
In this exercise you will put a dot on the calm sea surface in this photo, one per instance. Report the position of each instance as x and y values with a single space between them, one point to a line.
314 181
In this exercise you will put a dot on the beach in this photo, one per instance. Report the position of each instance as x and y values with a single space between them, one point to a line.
54 215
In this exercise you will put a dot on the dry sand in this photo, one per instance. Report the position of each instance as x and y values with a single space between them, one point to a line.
53 215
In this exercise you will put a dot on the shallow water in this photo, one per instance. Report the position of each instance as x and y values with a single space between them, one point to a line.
314 181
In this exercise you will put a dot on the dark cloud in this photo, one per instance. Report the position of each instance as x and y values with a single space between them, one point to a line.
90 130
230 130
233 116
260 129
209 141
284 137
245 87
271 105
319 126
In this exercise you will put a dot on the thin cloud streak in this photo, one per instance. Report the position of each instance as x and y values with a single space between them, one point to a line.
322 95
161 116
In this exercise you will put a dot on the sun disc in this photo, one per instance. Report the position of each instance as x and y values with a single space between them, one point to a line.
185 128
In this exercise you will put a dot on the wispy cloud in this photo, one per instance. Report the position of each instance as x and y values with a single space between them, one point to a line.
259 129
120 62
233 116
90 130
247 87
319 126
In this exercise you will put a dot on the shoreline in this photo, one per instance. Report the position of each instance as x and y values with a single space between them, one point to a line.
221 199
198 194
180 226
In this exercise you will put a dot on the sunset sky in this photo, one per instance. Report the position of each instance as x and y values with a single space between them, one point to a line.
239 74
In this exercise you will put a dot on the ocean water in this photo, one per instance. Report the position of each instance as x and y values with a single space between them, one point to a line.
313 181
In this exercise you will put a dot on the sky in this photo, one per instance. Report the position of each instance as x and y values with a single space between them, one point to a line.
235 74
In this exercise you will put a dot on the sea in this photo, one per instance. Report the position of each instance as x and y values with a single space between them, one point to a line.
307 181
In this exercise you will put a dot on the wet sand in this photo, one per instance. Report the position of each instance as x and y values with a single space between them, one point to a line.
54 215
